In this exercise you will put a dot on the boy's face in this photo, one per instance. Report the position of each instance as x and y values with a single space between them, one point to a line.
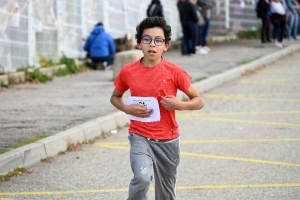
153 44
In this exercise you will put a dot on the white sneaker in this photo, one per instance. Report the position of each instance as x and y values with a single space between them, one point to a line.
278 44
206 48
202 51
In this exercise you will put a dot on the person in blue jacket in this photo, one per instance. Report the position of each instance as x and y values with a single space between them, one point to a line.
100 47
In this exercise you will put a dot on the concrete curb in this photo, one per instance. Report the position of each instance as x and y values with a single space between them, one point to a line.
31 154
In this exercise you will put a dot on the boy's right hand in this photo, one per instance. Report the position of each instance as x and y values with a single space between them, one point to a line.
138 110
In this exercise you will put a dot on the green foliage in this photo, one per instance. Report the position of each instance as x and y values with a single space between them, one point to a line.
250 34
19 171
4 85
4 150
70 63
44 62
29 141
199 79
62 72
33 74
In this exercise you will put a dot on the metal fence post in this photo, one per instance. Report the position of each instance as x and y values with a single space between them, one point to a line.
227 14
31 37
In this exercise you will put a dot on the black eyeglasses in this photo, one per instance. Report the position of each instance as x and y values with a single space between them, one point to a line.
158 41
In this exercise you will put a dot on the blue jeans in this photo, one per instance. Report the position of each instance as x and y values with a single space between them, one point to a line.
190 35
293 25
203 32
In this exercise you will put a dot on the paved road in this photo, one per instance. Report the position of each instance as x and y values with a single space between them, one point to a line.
244 145
29 110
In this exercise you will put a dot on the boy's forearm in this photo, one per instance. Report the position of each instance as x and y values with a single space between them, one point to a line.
118 103
195 103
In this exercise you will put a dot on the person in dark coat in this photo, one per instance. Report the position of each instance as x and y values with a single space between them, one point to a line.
183 44
100 46
155 9
189 22
263 10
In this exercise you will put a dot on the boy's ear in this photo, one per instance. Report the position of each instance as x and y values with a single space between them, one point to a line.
139 45
167 45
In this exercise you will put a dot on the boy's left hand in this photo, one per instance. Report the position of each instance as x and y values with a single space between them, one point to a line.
170 102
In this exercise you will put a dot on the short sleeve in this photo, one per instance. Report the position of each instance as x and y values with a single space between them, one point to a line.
121 83
182 79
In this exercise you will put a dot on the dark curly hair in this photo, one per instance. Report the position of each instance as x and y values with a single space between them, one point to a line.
151 22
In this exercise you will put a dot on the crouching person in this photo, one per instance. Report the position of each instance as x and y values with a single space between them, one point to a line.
100 47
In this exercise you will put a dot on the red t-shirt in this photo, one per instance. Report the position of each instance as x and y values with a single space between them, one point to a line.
161 80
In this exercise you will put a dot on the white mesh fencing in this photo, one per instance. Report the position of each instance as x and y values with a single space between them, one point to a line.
30 29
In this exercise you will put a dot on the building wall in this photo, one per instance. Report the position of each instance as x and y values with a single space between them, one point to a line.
30 29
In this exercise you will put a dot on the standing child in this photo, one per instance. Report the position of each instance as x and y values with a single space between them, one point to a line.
152 80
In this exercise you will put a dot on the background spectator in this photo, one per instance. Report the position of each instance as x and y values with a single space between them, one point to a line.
292 14
278 19
206 7
155 9
263 8
100 47
189 22
183 44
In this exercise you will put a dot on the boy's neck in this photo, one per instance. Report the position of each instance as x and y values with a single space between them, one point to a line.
150 63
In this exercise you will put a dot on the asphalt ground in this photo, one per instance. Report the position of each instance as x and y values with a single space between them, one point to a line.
29 110
243 145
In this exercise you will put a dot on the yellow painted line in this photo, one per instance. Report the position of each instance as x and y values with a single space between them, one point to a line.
283 71
288 112
214 156
243 121
240 141
257 94
237 186
115 144
267 83
214 96
5 199
152 189
240 159
112 146
271 80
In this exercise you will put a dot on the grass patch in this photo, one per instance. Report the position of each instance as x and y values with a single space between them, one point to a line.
48 159
3 151
4 85
243 62
90 141
62 72
19 171
72 147
31 140
61 153
200 79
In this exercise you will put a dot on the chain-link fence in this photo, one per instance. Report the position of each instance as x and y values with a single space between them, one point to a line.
30 29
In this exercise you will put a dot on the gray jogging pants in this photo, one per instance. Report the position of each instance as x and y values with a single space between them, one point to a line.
163 156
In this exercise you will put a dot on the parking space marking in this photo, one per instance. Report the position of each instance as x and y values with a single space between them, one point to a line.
121 144
118 146
223 96
263 82
241 121
71 192
281 71
287 112
240 159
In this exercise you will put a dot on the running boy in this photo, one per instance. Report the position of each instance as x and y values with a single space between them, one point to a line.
152 80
